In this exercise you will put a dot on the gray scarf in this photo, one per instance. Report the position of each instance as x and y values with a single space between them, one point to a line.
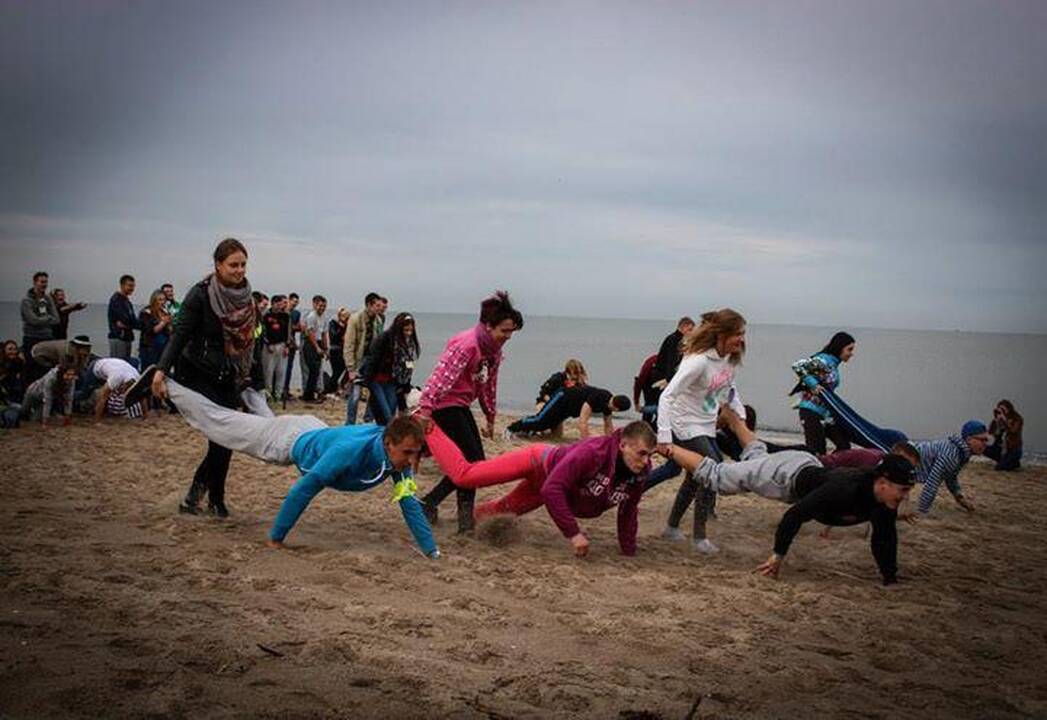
236 312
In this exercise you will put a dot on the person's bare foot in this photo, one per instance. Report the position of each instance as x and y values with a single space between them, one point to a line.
275 544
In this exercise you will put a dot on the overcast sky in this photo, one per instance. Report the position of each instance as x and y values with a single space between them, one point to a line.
837 163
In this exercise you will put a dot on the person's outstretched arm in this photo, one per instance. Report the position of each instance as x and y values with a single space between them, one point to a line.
404 494
823 500
568 472
103 398
628 521
608 424
297 500
884 543
944 469
583 421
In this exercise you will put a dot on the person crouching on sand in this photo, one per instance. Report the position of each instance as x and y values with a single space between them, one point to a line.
832 496
582 480
350 458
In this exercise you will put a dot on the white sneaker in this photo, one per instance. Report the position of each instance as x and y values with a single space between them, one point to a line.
508 436
674 534
705 546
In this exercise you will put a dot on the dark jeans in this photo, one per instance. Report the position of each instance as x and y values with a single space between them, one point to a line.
1005 460
211 472
705 501
337 358
383 401
291 352
458 424
552 414
313 362
815 432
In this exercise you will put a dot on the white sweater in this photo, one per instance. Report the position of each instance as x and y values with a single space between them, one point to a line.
689 404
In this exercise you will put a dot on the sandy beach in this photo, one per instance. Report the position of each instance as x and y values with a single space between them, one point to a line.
114 605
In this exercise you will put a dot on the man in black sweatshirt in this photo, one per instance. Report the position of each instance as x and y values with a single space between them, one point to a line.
846 496
834 496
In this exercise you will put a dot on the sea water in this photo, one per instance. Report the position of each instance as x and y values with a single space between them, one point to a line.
925 383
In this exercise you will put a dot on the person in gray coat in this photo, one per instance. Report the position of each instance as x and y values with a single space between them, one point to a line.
39 315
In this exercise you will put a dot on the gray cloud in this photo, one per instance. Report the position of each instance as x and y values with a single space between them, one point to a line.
831 163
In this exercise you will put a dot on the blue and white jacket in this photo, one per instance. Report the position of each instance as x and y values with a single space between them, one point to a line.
827 375
940 461
350 458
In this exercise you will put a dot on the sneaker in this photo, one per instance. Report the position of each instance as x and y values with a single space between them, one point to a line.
705 546
673 533
140 388
508 435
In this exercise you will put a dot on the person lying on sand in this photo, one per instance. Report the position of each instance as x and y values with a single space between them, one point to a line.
580 402
572 481
351 458
832 496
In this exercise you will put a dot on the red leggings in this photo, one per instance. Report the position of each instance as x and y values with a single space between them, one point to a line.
524 464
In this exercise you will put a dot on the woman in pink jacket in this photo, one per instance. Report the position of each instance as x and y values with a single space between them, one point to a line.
466 371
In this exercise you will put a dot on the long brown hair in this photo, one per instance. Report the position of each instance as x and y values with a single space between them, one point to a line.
156 304
714 325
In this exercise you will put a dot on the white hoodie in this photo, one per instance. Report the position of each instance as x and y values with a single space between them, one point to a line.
689 404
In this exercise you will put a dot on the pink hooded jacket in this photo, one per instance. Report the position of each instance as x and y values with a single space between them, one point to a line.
466 371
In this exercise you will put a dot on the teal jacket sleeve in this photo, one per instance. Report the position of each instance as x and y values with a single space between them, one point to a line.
415 518
298 498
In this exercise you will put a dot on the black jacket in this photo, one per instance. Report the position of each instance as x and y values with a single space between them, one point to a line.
669 355
197 341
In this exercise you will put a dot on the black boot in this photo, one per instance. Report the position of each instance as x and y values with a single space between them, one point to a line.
466 500
436 496
191 503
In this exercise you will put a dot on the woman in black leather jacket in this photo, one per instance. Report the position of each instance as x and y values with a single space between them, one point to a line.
210 351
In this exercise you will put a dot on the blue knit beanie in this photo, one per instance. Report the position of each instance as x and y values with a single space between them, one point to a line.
973 427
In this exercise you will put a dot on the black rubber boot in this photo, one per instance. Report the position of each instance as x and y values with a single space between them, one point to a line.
466 500
436 496
191 504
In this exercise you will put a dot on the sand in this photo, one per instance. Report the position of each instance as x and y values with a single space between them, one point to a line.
115 605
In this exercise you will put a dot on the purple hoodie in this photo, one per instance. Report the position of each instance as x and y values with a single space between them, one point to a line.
580 482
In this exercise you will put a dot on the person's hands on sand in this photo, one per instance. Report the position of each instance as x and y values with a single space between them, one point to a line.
909 517
964 503
159 386
581 545
771 567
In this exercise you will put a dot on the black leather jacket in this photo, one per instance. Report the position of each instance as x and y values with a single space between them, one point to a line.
197 340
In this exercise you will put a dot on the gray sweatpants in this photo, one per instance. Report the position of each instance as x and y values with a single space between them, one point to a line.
274 368
767 475
266 438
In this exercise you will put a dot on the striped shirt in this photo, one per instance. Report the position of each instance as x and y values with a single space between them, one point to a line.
940 461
